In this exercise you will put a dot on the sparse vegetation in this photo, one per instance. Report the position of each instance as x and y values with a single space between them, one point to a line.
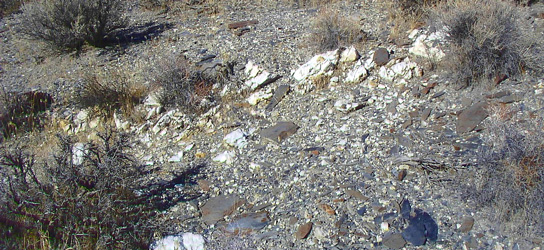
486 38
512 172
85 199
69 24
408 14
332 31
111 89
9 6
23 111
184 86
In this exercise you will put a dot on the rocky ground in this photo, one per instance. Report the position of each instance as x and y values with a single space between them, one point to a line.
374 159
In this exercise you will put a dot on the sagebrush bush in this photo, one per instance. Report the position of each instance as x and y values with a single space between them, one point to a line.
69 24
84 199
511 173
486 38
110 89
331 30
183 85
408 14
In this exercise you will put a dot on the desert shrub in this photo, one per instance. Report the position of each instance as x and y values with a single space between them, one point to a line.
110 89
9 6
511 173
85 199
68 24
408 14
486 38
331 30
23 112
183 85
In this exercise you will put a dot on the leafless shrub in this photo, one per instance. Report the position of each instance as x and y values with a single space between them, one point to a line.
22 112
408 14
486 38
332 31
511 172
74 204
68 24
184 86
111 89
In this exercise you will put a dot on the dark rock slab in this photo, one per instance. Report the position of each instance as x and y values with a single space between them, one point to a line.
469 118
279 94
425 113
381 56
394 241
405 209
247 223
216 208
280 131
415 234
422 227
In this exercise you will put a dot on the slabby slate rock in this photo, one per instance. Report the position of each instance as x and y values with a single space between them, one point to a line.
469 118
280 92
421 227
216 208
304 230
394 241
280 131
247 223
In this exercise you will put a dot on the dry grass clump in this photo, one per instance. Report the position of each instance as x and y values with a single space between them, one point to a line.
9 6
406 15
183 85
511 169
23 112
331 31
486 38
84 199
111 89
69 24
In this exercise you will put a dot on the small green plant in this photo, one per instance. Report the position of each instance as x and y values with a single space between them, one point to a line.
84 199
69 24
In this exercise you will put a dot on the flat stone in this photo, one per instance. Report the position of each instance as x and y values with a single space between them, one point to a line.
247 223
236 138
217 207
381 56
280 131
279 94
394 241
466 226
304 230
356 194
415 234
471 117
392 107
425 113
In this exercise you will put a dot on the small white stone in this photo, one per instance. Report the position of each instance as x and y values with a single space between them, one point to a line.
225 157
236 138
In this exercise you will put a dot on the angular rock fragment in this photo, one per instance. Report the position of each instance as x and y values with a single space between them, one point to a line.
394 241
467 224
280 92
357 74
349 55
247 223
280 131
242 24
469 118
216 208
356 194
236 138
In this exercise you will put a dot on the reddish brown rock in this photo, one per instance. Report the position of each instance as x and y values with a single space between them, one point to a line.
242 24
471 117
467 225
304 230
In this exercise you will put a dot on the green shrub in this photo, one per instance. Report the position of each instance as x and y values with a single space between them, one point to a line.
486 38
69 24
85 199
